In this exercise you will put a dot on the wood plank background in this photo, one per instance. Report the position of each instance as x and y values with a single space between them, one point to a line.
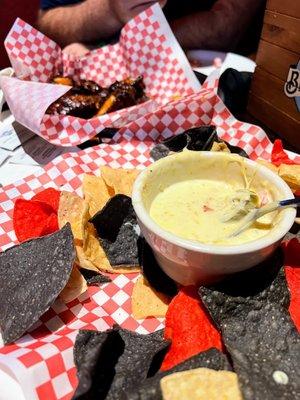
282 30
275 59
279 122
279 48
271 88
285 7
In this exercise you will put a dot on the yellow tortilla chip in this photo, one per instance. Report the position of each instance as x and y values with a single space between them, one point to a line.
90 255
147 302
95 193
267 164
201 384
75 210
75 286
83 261
291 175
94 253
220 147
119 181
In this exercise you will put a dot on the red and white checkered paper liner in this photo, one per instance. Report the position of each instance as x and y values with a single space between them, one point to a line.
42 360
146 47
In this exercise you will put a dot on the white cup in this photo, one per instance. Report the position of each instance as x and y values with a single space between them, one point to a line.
191 262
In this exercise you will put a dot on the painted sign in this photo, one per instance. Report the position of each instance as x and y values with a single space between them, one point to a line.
292 84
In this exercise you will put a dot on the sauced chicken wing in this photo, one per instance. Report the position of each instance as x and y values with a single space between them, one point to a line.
87 99
89 87
124 94
77 105
63 80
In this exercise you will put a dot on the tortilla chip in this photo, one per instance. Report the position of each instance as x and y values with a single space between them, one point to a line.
150 388
147 302
95 192
32 276
33 219
94 278
278 155
220 146
75 210
82 259
291 175
110 362
119 181
94 254
251 309
197 139
118 232
49 196
75 286
201 384
267 164
189 328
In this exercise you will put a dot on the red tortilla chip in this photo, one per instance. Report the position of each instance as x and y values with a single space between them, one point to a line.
30 218
292 273
189 327
49 196
51 225
279 156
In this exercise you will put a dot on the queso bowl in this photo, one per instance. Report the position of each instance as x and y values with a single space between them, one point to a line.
191 262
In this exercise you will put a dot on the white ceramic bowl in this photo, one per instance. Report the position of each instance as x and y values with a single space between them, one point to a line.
190 262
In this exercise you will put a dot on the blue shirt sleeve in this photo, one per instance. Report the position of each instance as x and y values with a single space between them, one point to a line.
47 4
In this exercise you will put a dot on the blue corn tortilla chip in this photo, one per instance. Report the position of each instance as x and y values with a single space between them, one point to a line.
118 232
156 277
197 139
106 133
235 149
94 278
251 309
159 151
32 276
109 363
192 139
150 388
201 138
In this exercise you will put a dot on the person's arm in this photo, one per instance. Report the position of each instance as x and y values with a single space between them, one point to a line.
221 28
84 22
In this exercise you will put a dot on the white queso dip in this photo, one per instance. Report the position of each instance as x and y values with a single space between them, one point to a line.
206 205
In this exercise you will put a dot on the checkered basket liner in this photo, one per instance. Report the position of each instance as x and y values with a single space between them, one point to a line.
146 47
42 360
